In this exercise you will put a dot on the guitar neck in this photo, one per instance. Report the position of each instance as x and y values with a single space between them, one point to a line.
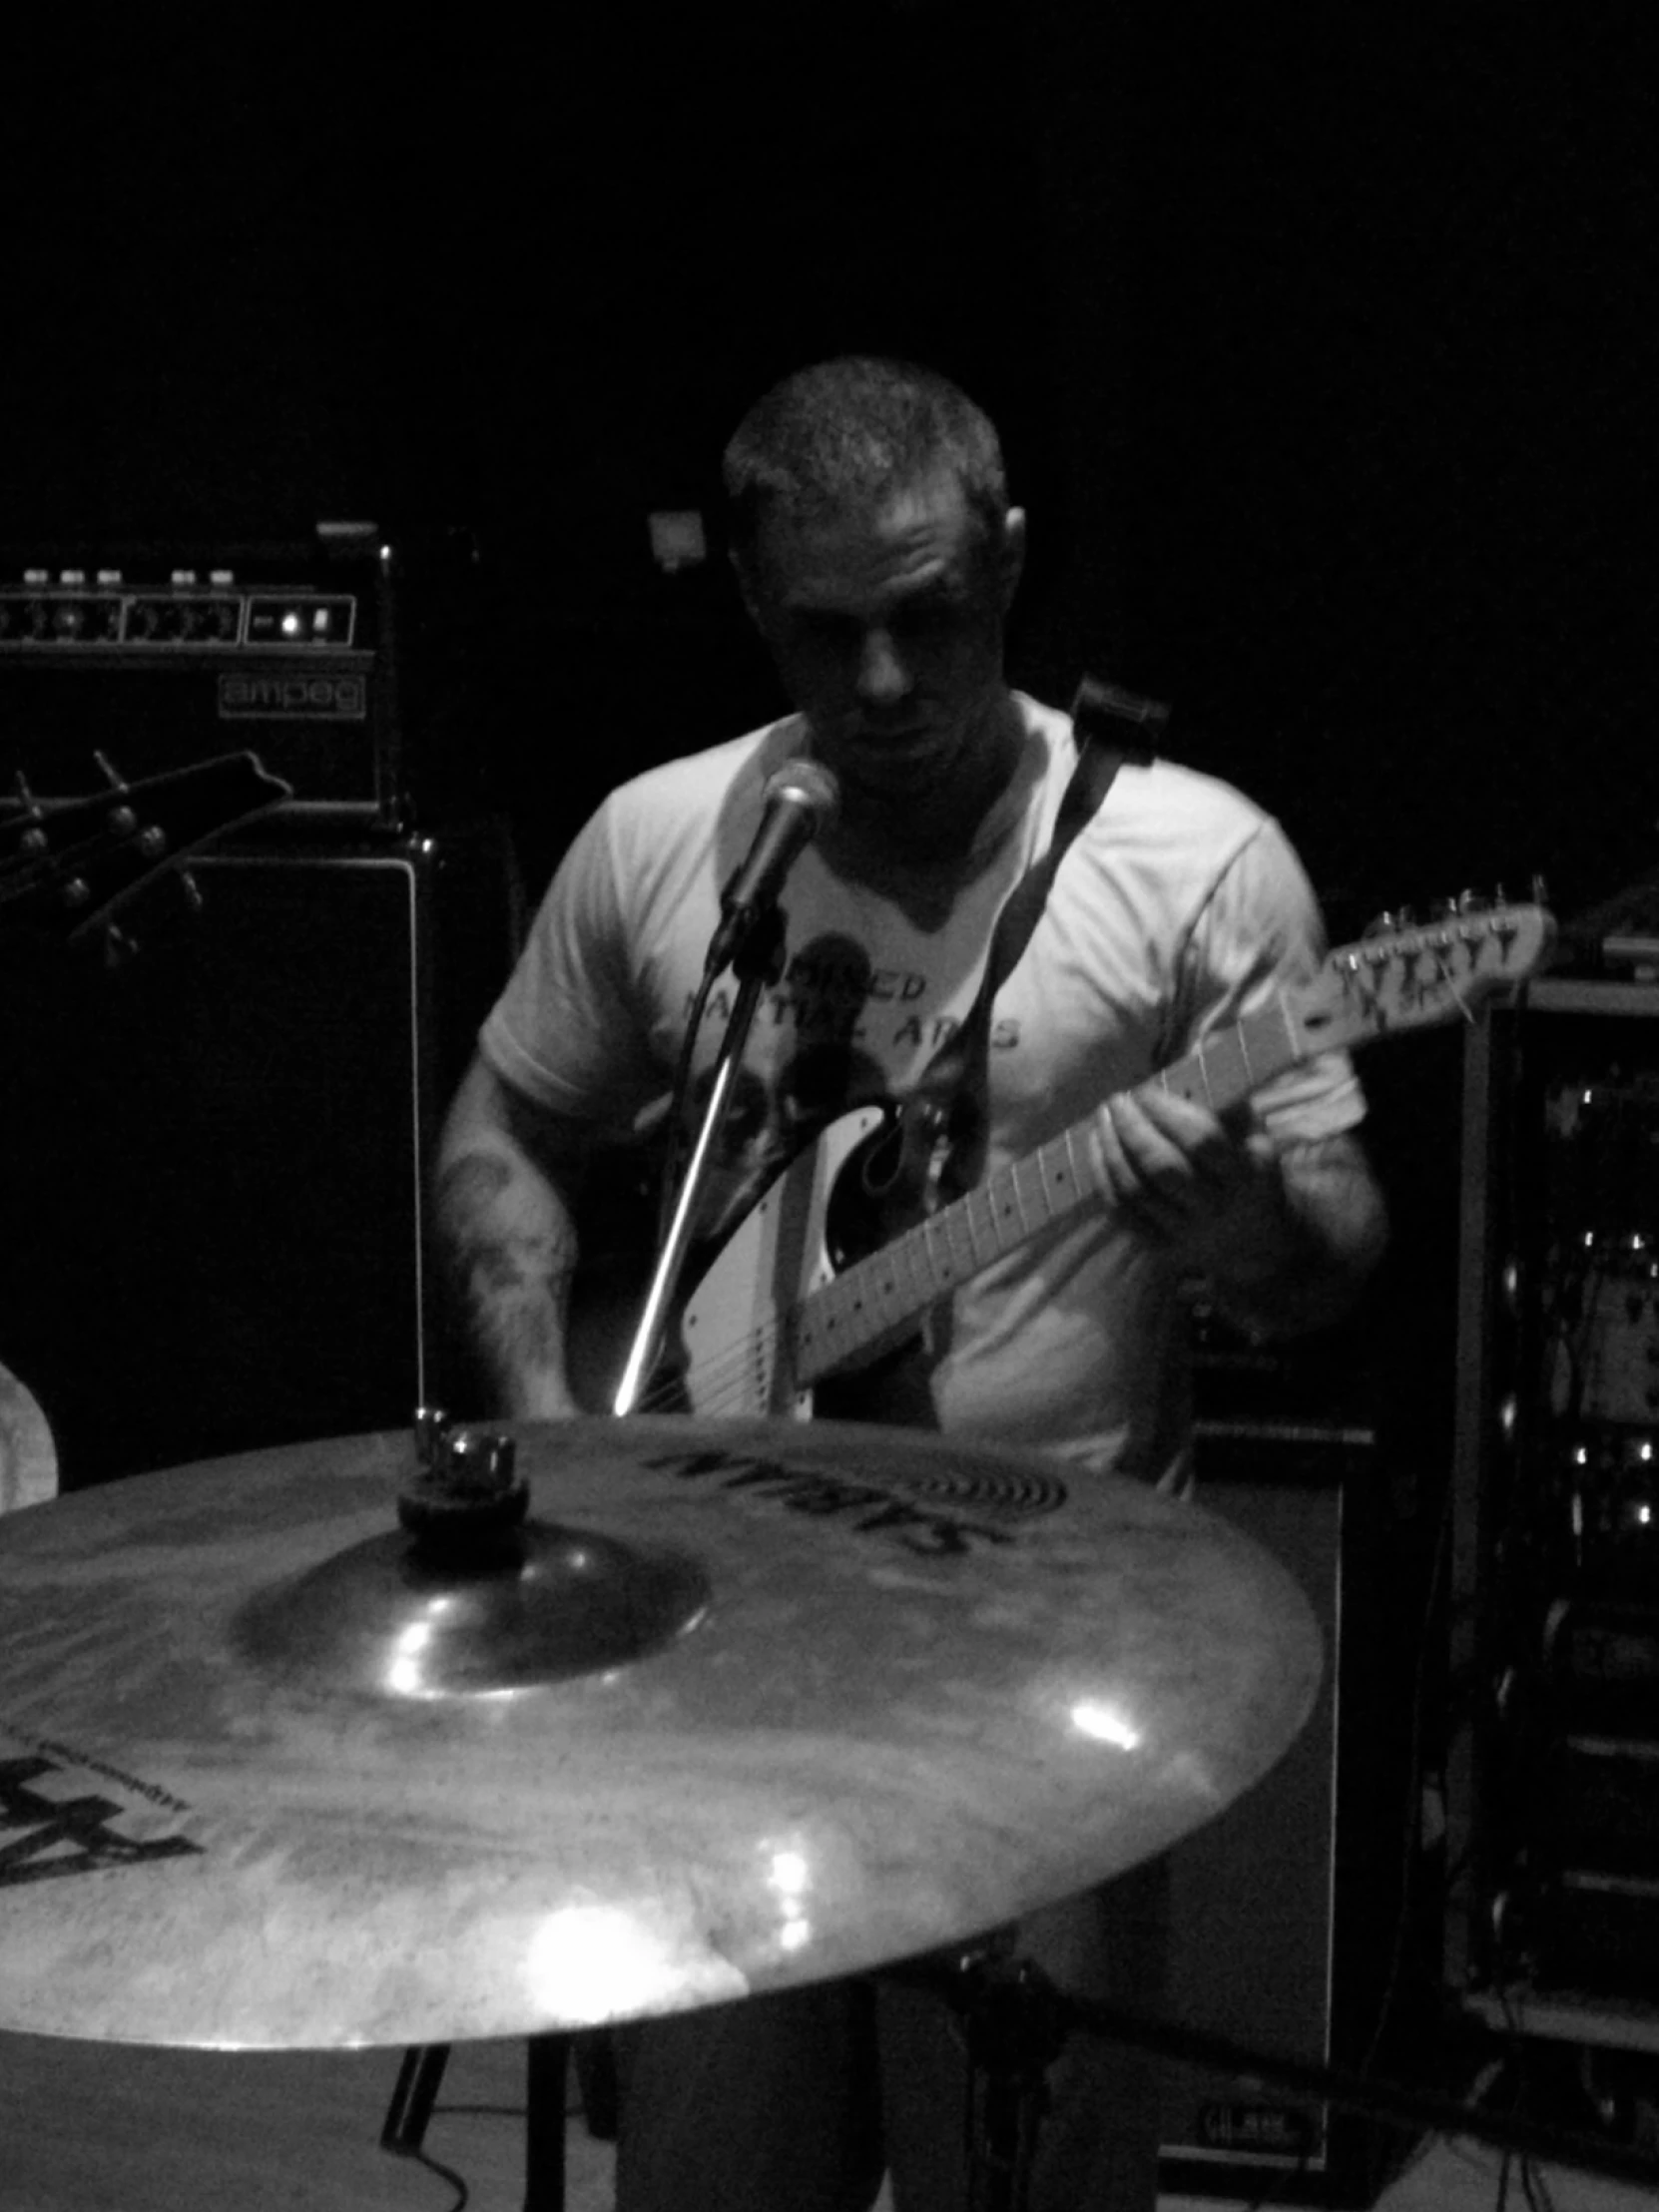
878 1296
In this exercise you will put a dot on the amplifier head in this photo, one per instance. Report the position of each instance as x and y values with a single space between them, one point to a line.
163 657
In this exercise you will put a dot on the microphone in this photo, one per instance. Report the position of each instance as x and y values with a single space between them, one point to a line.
798 800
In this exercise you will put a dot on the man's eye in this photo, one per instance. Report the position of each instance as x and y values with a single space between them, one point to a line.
827 629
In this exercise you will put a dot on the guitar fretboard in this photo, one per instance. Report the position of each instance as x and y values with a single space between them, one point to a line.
877 1297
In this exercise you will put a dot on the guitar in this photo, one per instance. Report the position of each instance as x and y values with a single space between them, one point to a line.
772 1316
69 868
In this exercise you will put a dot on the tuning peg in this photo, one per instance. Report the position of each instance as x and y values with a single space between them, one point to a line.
192 890
32 839
119 948
1388 923
122 820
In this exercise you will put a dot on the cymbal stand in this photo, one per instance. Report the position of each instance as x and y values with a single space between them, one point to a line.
1012 2017
1015 2022
412 2099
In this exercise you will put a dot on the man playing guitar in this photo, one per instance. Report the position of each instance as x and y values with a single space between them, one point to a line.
877 555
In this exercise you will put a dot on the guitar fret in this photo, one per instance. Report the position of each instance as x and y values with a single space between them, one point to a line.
1226 1067
1082 1182
1006 1219
941 1257
1230 1065
982 1215
964 1246
1030 1194
911 1253
887 1293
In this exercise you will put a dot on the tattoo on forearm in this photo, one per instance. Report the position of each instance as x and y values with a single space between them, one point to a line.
469 1185
512 1283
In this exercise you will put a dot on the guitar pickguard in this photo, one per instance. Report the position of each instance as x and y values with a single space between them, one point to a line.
734 1332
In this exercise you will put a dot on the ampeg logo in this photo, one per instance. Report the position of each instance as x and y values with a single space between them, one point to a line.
293 696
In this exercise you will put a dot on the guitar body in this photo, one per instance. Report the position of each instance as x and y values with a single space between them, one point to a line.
738 1350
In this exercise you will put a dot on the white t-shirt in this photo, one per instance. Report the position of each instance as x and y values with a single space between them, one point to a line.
1178 909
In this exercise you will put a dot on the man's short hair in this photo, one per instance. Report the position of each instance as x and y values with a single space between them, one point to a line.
851 431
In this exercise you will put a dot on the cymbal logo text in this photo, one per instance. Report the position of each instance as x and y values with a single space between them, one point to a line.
65 1836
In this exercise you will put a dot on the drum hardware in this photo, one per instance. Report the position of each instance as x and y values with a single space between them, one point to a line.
1017 2021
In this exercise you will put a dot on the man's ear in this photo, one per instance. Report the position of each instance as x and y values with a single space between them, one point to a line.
747 591
1011 556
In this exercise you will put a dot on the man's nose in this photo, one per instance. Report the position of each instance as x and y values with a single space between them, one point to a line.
883 674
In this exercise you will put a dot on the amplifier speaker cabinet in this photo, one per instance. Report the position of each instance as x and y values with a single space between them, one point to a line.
212 1158
1285 1908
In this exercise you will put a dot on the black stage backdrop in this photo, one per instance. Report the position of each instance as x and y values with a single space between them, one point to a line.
1322 343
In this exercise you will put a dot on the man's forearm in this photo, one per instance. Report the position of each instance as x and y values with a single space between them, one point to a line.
509 1248
1321 1231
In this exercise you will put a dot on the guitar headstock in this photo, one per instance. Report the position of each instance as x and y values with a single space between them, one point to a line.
1407 977
68 868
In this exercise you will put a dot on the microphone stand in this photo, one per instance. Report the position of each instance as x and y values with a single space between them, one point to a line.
757 963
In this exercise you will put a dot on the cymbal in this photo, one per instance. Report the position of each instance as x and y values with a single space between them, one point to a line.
756 1704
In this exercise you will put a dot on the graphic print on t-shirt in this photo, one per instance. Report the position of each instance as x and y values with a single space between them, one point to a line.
835 1033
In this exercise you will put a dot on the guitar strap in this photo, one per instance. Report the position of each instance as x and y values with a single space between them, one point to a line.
943 1148
1112 727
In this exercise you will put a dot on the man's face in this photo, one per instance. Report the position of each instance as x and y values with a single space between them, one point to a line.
886 623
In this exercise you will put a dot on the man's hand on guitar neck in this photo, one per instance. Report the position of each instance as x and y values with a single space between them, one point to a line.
1285 1238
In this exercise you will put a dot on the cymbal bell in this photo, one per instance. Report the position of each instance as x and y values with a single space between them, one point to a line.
748 1705
381 1619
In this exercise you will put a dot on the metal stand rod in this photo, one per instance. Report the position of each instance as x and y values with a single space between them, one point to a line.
404 2128
546 2069
1015 2034
759 964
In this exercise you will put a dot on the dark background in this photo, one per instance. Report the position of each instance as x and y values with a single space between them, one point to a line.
1322 343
